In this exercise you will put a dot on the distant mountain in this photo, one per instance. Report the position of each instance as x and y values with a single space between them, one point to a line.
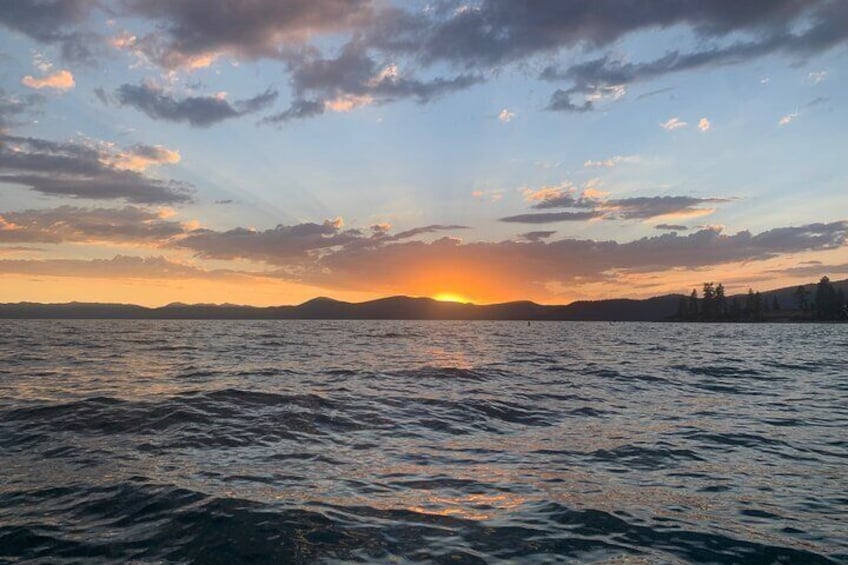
391 308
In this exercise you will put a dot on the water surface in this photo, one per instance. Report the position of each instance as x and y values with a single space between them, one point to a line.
227 442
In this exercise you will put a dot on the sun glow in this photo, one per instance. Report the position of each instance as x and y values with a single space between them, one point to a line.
450 297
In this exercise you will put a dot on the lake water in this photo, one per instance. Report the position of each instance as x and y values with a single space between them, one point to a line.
461 442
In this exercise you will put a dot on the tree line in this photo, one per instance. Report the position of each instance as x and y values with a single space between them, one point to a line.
826 303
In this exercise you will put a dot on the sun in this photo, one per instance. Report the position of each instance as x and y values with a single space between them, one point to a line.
450 297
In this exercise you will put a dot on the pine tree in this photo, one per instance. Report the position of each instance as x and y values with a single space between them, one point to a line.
826 300
708 301
693 304
720 301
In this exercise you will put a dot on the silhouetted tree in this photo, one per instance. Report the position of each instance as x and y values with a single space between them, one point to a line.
708 301
720 301
693 304
735 309
801 298
827 300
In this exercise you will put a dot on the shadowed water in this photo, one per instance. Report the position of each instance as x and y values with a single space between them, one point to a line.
227 442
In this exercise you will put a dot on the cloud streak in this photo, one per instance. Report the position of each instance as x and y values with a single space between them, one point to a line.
197 111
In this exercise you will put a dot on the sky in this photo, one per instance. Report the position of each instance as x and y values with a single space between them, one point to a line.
270 151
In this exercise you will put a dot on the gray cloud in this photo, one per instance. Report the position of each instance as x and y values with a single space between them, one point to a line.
279 246
525 264
261 28
14 108
828 27
54 22
477 39
536 235
671 227
120 266
198 111
646 207
551 217
355 78
129 224
414 232
80 171
812 269
636 208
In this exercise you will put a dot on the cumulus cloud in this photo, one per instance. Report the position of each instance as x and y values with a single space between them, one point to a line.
704 124
673 124
81 170
198 111
60 80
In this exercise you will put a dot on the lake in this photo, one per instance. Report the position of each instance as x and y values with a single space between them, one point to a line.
461 442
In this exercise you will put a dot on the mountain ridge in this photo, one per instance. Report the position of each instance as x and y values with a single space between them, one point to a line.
657 308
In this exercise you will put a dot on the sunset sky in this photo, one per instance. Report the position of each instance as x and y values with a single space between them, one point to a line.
269 151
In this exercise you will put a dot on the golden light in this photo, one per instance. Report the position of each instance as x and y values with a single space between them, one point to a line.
450 297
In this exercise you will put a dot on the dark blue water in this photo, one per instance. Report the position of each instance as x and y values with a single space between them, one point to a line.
301 441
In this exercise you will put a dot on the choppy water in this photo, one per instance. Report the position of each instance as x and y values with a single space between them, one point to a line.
227 442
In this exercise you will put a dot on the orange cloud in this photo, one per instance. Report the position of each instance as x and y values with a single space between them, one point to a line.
60 80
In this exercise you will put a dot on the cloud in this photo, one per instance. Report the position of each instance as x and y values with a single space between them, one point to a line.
506 116
704 124
119 267
536 235
140 157
60 80
551 217
611 162
817 77
813 269
673 124
127 225
198 111
278 246
599 205
13 108
488 195
526 267
671 227
767 32
192 29
477 40
787 119
648 207
81 170
355 79
54 22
